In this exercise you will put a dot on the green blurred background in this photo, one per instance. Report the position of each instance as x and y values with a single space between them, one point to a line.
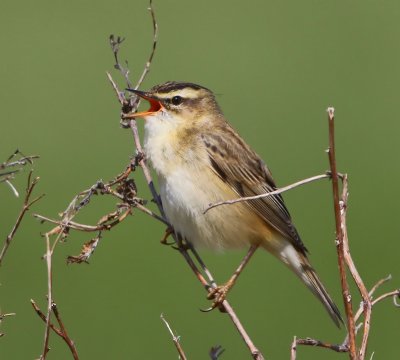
276 66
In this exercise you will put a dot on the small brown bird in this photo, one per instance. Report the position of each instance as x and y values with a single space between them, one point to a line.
200 159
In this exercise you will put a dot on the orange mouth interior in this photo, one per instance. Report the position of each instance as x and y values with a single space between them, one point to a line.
155 106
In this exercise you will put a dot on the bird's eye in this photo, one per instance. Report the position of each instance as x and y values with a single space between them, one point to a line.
176 100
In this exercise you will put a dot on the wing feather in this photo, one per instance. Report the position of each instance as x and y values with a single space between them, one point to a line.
244 171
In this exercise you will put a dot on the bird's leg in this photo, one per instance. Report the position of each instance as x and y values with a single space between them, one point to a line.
219 293
180 244
168 231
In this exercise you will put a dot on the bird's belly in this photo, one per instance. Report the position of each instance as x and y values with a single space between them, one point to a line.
185 196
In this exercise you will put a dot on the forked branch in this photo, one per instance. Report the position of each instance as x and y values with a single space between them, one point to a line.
339 238
25 207
345 260
61 332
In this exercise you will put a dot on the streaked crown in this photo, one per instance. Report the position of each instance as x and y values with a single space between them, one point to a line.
180 97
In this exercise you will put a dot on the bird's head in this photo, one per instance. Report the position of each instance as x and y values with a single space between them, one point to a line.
177 102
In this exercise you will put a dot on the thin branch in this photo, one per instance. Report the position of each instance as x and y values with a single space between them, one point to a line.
293 349
175 339
9 175
344 346
395 298
65 336
366 300
2 316
370 294
153 50
115 46
22 161
378 284
14 190
344 258
43 317
62 332
49 298
395 294
275 192
25 207
339 238
83 227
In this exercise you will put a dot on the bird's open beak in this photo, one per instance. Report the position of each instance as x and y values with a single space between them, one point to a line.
155 104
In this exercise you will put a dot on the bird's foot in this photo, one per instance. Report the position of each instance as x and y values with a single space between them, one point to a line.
168 231
218 295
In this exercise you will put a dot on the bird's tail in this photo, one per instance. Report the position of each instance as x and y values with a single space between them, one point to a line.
301 266
311 279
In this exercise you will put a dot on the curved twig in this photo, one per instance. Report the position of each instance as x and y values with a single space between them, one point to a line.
275 192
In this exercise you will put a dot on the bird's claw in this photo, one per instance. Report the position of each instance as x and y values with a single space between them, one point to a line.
167 233
218 294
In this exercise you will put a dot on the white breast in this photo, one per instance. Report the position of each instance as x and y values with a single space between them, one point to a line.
188 186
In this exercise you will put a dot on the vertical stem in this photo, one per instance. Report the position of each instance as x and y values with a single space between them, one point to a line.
49 298
339 239
366 298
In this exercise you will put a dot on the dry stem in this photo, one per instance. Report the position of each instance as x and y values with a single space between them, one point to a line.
344 346
2 316
366 301
175 339
339 238
62 332
345 259
275 192
25 207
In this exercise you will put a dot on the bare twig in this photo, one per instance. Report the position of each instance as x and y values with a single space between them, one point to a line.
379 283
14 190
293 349
49 297
65 336
62 332
22 161
275 192
8 175
317 343
339 238
131 104
395 294
175 339
25 207
366 301
2 316
395 298
344 347
345 259
87 228
153 50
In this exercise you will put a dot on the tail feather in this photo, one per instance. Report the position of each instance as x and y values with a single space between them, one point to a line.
300 265
311 279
